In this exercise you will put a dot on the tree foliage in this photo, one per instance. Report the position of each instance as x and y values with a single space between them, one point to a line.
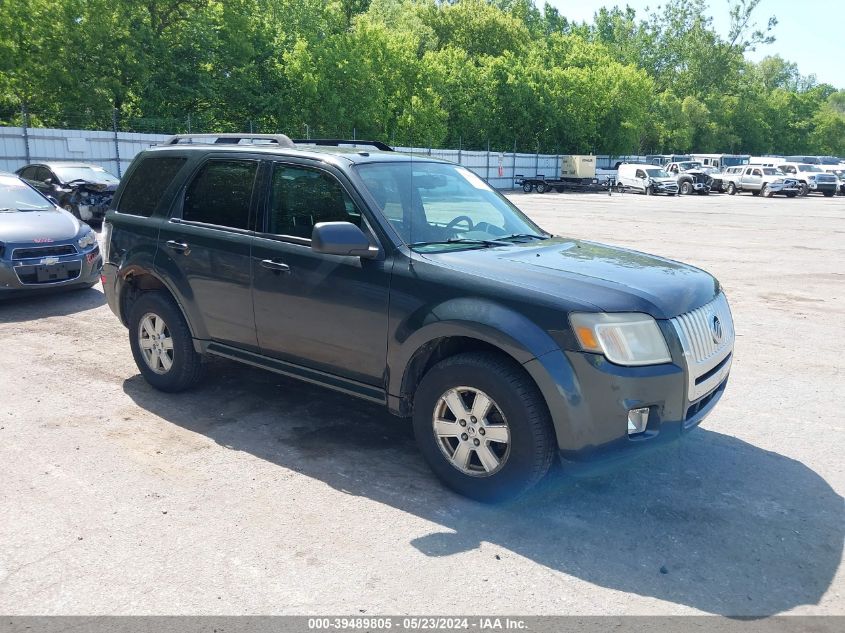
468 73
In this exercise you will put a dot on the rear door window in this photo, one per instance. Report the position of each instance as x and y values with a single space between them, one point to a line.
147 184
221 194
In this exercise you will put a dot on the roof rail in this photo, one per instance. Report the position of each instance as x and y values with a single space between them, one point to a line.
244 138
337 142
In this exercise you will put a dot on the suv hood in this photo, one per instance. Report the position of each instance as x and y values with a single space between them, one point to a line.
18 227
93 185
611 278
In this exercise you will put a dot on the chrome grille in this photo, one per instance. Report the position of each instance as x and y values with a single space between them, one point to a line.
825 178
704 349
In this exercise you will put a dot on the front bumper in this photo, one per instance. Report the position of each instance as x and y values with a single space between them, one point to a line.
38 274
589 397
663 187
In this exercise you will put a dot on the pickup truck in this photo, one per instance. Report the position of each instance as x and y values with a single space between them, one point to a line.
759 180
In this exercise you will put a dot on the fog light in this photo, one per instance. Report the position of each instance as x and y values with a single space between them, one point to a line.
637 420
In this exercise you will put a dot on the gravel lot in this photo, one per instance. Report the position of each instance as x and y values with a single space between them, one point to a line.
257 494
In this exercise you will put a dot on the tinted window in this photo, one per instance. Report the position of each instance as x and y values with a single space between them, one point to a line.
42 174
147 185
221 194
299 198
29 173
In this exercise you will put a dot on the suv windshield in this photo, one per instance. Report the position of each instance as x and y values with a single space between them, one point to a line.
808 168
656 173
85 172
438 206
17 196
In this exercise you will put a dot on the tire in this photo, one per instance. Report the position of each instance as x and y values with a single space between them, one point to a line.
767 193
620 188
803 190
791 194
542 187
649 191
517 411
731 190
185 365
755 193
560 189
527 187
828 194
686 188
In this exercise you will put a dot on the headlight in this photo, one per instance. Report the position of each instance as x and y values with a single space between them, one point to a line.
624 338
87 239
777 181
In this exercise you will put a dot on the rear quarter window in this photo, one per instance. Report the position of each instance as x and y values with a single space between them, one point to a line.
147 184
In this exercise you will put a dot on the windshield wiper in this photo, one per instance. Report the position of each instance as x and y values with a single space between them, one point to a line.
529 235
461 240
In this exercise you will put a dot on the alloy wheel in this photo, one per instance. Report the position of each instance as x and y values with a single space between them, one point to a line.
471 431
156 343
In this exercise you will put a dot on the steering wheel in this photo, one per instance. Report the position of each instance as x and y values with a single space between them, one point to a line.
458 220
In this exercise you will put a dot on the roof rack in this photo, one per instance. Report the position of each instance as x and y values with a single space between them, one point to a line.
231 139
337 142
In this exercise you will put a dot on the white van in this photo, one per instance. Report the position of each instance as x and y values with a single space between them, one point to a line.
647 179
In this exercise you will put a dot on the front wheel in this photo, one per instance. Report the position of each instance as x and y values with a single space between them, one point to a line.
686 188
542 187
483 426
803 190
731 189
649 191
767 192
527 187
162 344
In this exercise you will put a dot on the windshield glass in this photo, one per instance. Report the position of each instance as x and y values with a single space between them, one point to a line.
656 173
85 172
17 196
808 168
689 165
430 204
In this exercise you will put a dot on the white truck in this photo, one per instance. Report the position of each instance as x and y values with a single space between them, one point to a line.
759 180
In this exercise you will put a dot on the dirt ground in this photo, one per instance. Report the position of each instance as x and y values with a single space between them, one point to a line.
256 494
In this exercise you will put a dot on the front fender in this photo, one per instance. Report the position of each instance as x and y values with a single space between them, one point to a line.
486 321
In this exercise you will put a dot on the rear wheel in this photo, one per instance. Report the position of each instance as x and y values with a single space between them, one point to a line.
803 189
483 426
686 188
162 344
828 194
542 187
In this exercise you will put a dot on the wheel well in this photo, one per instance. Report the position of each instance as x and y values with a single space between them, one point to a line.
432 353
135 285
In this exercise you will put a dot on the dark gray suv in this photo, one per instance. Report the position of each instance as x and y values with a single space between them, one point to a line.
410 282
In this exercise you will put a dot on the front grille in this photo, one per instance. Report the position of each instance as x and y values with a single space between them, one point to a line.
829 179
43 251
707 338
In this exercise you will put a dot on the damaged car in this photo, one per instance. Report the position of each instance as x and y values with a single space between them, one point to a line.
692 177
83 189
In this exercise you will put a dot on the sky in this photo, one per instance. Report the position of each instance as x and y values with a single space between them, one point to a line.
809 32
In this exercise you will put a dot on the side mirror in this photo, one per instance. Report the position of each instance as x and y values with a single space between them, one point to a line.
341 238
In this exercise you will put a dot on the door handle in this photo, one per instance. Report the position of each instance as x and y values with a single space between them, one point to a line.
274 264
179 247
